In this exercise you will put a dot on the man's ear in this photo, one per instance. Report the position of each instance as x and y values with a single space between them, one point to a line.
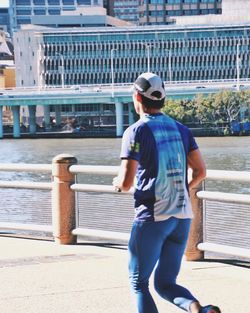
138 97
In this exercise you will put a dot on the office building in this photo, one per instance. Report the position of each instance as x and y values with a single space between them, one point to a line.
4 20
82 17
22 11
125 10
153 12
83 56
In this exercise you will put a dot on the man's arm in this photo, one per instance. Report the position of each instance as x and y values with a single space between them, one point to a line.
196 163
125 179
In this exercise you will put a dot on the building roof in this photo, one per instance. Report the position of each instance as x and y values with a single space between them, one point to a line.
134 29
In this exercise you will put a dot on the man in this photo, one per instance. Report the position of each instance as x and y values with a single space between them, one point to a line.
157 151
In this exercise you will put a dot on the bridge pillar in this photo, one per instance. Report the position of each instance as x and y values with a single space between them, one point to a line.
58 115
119 118
46 110
32 119
1 122
131 119
16 121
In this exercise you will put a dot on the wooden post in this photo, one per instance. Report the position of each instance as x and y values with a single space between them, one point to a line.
192 253
63 199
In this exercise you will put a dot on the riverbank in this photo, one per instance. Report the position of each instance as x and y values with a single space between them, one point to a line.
84 134
197 132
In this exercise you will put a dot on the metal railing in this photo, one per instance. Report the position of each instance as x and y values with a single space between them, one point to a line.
74 229
236 200
26 168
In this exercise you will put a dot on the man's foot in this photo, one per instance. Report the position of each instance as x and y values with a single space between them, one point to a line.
210 309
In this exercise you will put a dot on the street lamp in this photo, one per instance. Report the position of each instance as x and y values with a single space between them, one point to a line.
112 70
61 68
148 46
238 60
169 65
148 53
39 67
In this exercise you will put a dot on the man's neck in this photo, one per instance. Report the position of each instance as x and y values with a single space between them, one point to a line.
150 111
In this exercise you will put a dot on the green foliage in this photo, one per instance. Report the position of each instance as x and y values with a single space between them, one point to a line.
223 107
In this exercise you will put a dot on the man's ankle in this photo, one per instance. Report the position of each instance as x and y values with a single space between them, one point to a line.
195 307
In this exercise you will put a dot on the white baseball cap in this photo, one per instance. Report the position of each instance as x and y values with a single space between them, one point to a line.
150 86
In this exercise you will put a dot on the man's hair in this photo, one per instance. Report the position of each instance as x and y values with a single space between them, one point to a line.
154 104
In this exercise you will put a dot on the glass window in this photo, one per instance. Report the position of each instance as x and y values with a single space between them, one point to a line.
156 13
23 12
86 2
53 1
174 1
68 2
39 2
39 11
156 1
22 2
23 21
54 11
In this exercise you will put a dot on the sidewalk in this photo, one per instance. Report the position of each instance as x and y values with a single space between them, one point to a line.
42 277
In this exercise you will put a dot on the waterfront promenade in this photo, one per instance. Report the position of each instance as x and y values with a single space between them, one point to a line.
40 277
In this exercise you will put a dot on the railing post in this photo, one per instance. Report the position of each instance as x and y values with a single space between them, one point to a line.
192 253
63 199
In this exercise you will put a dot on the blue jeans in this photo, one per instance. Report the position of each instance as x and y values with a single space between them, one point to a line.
163 242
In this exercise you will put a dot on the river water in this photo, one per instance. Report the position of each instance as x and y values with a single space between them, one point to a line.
222 153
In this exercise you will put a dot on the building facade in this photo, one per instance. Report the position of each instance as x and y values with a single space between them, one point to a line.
87 56
4 19
22 11
126 10
153 12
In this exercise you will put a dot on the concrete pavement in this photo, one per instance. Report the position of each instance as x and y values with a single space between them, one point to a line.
42 277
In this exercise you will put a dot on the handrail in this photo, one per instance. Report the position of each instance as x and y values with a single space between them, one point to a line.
94 169
27 227
24 167
103 234
238 176
213 247
224 197
25 185
97 188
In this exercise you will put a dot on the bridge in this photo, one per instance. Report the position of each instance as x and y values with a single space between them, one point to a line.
116 94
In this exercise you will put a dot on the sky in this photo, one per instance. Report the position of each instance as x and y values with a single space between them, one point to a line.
4 3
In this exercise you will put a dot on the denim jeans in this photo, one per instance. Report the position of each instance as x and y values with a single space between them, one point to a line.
161 244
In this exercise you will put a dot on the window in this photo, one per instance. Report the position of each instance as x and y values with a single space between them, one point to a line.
39 2
39 12
53 1
22 2
68 2
54 11
156 1
23 12
23 21
86 2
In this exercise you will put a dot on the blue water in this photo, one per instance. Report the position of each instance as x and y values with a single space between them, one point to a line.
222 153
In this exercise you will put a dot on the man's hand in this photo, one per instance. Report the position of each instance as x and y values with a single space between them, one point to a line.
196 163
125 180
